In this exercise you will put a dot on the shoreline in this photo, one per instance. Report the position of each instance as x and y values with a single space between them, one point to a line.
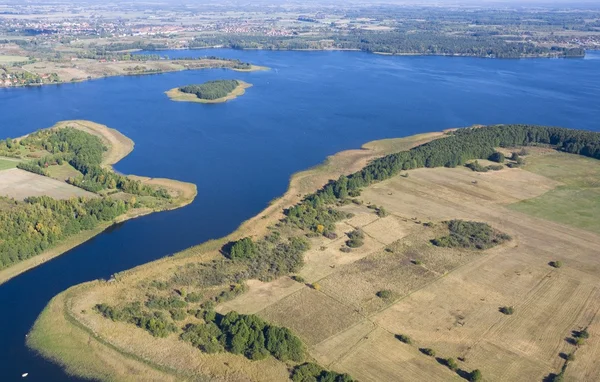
176 95
119 146
253 68
78 353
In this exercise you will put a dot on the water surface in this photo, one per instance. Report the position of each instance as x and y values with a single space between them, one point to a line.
242 153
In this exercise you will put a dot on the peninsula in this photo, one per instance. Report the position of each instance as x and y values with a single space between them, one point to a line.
58 189
218 91
411 265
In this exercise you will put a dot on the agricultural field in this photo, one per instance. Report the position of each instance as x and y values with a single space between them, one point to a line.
12 59
374 311
576 201
20 184
446 299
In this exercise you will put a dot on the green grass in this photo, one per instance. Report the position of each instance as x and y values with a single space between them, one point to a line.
577 202
63 172
11 59
5 164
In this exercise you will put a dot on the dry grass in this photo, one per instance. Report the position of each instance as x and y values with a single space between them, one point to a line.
176 95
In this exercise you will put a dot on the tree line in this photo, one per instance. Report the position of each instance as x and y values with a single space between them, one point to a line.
453 150
396 42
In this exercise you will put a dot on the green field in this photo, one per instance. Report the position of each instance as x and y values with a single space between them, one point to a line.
5 164
11 59
577 202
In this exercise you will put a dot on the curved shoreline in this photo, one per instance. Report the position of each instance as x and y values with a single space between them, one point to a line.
177 95
79 352
119 146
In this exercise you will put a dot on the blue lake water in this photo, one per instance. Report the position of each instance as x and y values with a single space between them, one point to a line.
242 153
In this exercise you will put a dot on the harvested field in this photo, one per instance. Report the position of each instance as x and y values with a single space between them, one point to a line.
311 315
19 184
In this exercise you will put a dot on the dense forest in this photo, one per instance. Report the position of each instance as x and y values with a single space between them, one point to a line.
454 150
84 152
423 43
211 90
30 227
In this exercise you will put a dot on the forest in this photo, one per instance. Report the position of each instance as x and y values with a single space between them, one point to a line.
211 90
395 42
30 227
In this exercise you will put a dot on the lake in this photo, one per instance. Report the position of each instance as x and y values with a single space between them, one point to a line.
241 154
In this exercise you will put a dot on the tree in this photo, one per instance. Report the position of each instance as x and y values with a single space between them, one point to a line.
475 376
497 157
451 363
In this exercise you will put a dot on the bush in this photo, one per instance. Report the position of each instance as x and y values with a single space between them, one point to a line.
451 363
556 264
356 239
384 294
157 302
194 297
315 286
497 157
582 334
381 212
428 351
310 372
241 249
177 314
571 357
475 376
404 338
469 234
345 250
299 279
508 310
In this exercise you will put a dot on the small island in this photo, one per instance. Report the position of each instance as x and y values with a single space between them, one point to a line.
209 92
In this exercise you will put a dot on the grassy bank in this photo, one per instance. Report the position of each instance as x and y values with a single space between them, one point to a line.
179 96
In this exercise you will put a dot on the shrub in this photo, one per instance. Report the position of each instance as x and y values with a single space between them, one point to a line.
345 250
451 363
508 310
579 341
582 334
571 357
497 157
384 294
177 314
157 302
194 297
315 286
299 279
556 264
428 351
475 376
416 262
310 372
356 239
404 338
381 212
